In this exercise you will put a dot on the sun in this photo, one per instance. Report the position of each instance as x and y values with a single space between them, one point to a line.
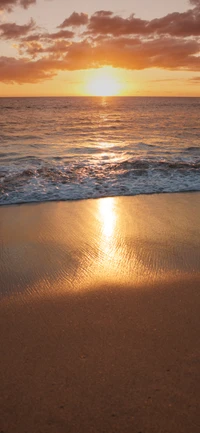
103 82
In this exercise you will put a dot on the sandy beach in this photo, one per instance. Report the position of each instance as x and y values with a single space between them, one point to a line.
100 315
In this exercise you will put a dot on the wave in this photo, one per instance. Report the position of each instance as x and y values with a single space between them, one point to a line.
74 148
45 169
43 181
193 149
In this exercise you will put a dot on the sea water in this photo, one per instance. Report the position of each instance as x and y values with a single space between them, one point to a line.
71 148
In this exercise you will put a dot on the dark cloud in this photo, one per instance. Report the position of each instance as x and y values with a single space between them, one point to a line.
75 20
176 24
33 37
15 31
22 71
9 4
48 37
62 34
104 22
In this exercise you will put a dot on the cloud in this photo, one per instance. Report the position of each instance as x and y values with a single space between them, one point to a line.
15 31
62 34
171 42
22 71
38 43
165 53
178 24
195 2
194 80
75 20
32 49
104 22
35 48
46 37
9 4
175 24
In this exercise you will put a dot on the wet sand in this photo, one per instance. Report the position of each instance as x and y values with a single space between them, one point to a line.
100 315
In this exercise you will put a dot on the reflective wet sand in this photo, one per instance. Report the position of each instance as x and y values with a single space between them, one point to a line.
99 315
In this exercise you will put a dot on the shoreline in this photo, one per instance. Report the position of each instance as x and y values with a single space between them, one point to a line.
99 198
100 315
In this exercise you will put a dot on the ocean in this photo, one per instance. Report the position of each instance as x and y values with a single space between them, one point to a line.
71 148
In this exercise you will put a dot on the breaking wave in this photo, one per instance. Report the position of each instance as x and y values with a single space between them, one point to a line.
72 181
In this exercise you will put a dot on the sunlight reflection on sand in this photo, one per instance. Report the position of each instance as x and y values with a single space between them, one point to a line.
57 248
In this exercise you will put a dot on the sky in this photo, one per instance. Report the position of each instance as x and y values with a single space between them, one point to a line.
99 47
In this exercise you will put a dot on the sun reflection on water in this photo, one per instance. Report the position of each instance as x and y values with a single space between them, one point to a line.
108 216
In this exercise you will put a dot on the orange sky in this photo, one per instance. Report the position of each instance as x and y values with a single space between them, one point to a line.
100 47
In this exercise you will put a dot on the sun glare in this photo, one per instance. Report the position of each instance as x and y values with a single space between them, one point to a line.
103 82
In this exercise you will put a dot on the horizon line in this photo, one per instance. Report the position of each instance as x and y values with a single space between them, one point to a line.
100 96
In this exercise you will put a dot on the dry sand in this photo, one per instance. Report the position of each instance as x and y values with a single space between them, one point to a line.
100 316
